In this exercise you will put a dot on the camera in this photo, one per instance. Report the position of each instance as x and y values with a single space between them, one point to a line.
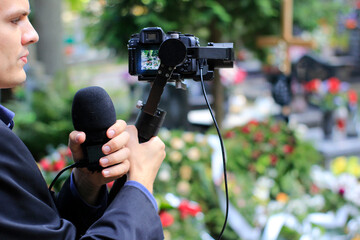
144 61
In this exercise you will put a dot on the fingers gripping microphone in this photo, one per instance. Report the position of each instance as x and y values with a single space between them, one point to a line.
93 112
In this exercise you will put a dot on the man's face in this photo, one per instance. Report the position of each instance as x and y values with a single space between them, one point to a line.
16 34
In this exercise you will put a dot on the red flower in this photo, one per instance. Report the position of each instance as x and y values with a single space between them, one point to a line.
342 191
350 23
341 124
334 85
273 159
353 98
313 85
254 123
256 154
245 129
166 219
110 184
60 164
288 149
314 189
275 128
230 134
187 208
68 152
45 164
258 137
273 142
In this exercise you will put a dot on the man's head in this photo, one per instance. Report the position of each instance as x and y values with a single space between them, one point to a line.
16 34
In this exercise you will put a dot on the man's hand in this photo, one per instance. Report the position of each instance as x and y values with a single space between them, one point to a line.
115 161
145 158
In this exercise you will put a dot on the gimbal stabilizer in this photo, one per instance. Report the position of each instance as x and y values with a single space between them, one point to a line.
172 53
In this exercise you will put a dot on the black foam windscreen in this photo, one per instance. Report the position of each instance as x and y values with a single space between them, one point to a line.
93 112
92 109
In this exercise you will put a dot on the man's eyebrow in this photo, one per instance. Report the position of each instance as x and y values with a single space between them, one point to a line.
19 12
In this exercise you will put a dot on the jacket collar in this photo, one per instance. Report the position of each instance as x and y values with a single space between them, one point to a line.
7 116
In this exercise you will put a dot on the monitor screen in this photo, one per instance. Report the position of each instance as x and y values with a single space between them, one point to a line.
150 60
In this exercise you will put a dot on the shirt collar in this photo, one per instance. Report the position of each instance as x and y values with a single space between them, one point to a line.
7 116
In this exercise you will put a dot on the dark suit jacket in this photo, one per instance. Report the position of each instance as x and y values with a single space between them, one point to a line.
29 211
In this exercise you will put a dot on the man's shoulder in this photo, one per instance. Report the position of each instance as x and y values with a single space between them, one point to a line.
5 131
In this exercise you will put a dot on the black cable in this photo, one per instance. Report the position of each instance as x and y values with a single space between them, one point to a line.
77 164
222 150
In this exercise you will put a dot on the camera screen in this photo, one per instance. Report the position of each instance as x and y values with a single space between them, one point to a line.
150 60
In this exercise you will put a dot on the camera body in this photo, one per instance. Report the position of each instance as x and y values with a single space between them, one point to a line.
144 62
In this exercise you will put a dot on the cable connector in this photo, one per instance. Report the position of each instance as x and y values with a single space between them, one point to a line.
201 63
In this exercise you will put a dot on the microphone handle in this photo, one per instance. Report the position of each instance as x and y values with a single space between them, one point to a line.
148 126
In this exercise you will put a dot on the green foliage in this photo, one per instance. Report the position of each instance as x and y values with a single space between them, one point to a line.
77 5
44 118
240 22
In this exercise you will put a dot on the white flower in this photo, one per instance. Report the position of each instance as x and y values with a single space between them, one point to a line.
164 134
262 188
260 215
175 156
317 202
297 206
345 182
164 173
183 188
185 172
188 137
353 194
322 178
275 206
176 143
194 154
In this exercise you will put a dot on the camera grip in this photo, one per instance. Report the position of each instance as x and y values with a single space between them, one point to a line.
148 125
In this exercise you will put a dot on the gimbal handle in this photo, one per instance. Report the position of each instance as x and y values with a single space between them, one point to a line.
172 53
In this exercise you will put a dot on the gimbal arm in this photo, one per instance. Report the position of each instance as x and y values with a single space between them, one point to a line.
172 53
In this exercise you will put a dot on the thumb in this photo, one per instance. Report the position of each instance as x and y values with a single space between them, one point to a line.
75 140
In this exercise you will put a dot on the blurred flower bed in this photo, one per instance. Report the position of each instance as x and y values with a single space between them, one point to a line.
53 163
330 94
271 171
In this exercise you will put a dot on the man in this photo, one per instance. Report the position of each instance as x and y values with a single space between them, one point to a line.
27 209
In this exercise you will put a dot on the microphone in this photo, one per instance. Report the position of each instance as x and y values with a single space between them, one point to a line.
93 112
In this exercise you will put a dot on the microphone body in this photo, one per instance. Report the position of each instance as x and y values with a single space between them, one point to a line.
93 112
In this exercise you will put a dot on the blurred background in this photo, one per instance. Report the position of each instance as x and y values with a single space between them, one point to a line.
287 109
